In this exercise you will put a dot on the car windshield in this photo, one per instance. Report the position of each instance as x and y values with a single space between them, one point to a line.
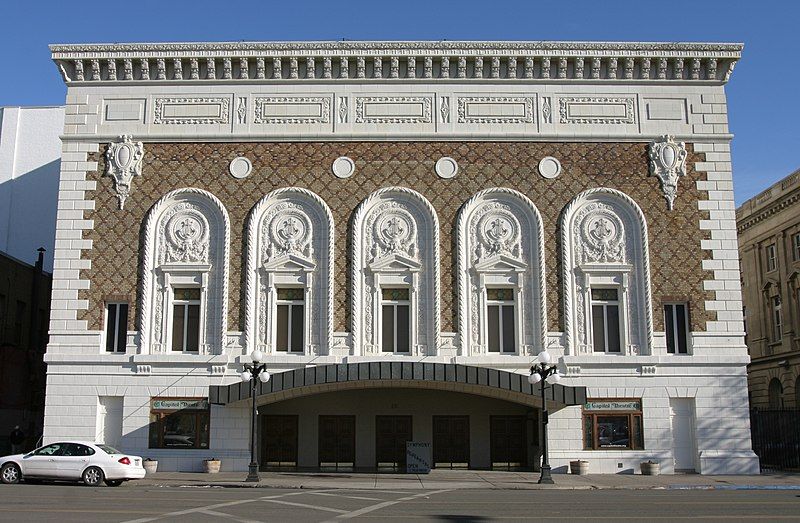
108 450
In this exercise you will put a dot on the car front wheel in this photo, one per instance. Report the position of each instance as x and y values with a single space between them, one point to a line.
10 473
93 476
113 482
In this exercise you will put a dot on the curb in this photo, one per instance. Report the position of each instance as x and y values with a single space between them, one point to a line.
263 485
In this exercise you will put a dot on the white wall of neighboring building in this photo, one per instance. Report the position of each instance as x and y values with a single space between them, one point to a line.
30 163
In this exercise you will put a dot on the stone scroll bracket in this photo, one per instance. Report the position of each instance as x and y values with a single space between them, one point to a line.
123 162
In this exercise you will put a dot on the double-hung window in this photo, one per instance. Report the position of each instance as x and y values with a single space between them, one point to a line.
186 319
772 258
290 319
796 247
676 325
396 320
116 326
777 318
500 320
605 320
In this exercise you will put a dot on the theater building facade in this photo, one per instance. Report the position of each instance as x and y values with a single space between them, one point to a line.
401 227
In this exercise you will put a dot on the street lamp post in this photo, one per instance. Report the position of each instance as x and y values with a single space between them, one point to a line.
543 372
254 372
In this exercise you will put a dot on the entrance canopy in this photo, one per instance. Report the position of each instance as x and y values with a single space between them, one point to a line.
482 381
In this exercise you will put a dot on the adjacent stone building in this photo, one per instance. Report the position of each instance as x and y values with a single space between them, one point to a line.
401 227
769 246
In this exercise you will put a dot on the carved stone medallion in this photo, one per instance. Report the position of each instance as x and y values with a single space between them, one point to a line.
185 235
601 233
668 163
123 162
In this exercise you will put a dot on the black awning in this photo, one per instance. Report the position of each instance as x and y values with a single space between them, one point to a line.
408 374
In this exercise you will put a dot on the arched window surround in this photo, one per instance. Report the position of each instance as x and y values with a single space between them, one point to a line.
516 261
305 261
198 259
411 260
623 264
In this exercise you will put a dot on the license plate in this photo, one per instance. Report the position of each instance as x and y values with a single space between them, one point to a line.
136 461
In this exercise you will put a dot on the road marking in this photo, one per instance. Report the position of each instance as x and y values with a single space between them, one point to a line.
211 507
343 496
227 516
378 506
306 505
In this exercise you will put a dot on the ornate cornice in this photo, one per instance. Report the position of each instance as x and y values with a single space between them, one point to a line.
776 207
261 61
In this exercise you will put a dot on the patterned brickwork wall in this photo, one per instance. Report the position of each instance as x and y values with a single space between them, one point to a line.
675 238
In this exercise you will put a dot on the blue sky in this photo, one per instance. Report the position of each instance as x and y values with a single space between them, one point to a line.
762 95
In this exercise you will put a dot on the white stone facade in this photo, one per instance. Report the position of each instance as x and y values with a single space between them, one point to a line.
453 91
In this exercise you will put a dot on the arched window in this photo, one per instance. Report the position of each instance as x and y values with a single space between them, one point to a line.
184 299
606 275
395 264
289 280
501 275
775 394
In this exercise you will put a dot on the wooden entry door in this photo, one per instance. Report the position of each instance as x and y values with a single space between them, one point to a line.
508 442
337 442
451 441
279 442
391 435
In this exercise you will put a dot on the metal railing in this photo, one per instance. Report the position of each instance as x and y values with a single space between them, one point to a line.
776 438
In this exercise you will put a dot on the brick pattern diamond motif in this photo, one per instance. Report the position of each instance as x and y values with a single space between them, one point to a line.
676 267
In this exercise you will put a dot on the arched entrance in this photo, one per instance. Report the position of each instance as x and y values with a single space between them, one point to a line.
360 415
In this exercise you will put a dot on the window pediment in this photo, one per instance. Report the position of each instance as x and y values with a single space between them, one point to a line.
290 263
501 263
395 262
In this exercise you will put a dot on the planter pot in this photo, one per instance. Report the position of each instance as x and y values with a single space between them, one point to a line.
650 469
150 466
212 466
579 467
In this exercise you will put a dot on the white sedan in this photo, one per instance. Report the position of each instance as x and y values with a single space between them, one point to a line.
92 463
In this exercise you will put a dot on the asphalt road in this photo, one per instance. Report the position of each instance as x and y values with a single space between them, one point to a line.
129 503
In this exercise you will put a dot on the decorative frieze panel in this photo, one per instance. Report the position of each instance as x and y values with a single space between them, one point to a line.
124 110
191 111
394 109
495 109
282 110
596 110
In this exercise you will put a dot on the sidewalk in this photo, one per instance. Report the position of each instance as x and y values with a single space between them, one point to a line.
467 479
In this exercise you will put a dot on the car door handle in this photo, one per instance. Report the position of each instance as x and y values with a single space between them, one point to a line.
51 459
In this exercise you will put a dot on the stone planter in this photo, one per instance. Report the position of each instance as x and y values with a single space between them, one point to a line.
150 466
579 467
212 466
650 468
